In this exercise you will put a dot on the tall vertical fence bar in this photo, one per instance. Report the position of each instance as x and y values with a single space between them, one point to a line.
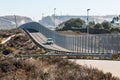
97 43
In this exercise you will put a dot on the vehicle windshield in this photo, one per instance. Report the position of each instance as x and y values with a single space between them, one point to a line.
50 39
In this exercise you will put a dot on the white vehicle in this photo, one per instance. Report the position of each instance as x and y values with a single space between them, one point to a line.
49 41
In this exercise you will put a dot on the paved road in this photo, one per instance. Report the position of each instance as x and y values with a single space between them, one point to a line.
41 40
99 43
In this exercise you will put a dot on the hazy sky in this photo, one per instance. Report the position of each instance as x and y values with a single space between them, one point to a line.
35 8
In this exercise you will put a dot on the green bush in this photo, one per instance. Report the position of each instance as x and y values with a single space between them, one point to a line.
115 29
39 52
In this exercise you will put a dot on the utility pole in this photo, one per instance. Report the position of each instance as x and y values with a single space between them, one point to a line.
54 17
42 16
88 21
42 21
15 20
87 29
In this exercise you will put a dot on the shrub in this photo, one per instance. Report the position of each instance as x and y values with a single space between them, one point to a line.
6 67
39 52
0 39
8 50
115 56
115 30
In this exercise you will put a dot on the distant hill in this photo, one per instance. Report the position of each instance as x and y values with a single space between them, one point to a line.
8 22
49 20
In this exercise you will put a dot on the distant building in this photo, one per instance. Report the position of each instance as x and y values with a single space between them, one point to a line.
115 23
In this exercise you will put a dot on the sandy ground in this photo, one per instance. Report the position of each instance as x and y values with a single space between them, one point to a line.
104 65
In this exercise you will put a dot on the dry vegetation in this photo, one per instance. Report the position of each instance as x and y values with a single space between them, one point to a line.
70 32
1 39
50 68
47 68
20 44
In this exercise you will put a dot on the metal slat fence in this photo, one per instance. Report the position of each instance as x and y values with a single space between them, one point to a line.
98 43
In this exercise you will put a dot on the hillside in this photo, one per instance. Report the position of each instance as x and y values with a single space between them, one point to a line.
49 20
8 22
15 67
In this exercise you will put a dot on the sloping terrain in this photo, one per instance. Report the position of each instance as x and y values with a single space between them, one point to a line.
12 21
47 68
